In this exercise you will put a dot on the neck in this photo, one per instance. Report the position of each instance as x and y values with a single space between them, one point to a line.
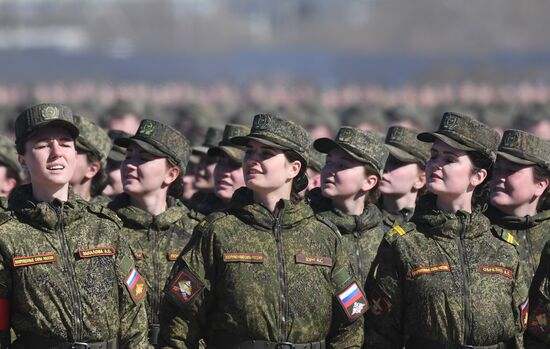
527 209
352 206
453 204
395 203
270 200
48 194
83 190
152 203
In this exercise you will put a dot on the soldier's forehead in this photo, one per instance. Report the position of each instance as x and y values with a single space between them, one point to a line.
52 132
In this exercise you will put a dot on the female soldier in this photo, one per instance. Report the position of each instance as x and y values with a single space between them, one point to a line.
155 223
404 177
266 273
450 283
349 185
65 272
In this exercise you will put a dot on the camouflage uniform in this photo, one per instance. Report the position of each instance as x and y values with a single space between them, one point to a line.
156 240
449 283
94 140
65 270
406 148
8 158
251 278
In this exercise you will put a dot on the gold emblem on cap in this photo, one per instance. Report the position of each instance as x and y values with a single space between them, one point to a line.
50 112
261 122
147 127
345 135
450 122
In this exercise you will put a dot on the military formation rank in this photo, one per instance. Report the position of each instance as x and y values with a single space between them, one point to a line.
24 261
353 301
185 286
136 285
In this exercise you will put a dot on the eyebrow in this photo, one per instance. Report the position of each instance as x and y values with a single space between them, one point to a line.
447 152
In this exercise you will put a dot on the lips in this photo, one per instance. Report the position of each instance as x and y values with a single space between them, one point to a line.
435 176
55 167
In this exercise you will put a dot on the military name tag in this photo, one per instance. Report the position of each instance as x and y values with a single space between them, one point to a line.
314 260
497 270
96 252
353 301
244 257
24 261
136 285
430 269
172 256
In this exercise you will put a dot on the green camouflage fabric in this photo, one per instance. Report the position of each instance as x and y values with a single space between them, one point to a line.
525 149
462 132
537 334
364 146
205 204
3 203
282 134
92 138
212 138
160 140
245 276
404 146
236 153
448 282
63 269
361 234
156 242
396 218
101 199
117 153
39 116
530 233
8 156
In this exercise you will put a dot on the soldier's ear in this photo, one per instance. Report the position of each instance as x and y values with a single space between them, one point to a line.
21 160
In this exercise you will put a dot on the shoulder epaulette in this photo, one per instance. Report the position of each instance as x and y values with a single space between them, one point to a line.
4 217
211 218
389 221
328 223
105 212
398 231
504 235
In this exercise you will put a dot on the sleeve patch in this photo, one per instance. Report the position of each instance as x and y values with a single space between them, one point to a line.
136 285
353 301
380 304
186 287
538 321
524 312
96 252
24 261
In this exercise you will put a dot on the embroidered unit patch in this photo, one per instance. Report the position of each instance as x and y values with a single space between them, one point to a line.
24 261
379 303
172 256
96 252
524 313
314 260
244 257
353 301
136 285
538 321
185 286
430 269
497 270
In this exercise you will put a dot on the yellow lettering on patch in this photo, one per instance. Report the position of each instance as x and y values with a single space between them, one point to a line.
430 269
32 260
314 260
96 252
244 257
497 270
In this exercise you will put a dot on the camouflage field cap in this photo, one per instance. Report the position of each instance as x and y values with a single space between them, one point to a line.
212 138
8 156
404 146
117 153
464 133
160 140
35 118
282 134
236 153
525 149
92 138
316 159
364 146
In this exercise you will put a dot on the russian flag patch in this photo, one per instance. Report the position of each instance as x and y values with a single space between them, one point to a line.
524 313
136 285
353 301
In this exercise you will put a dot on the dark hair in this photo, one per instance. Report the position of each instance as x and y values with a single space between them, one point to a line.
292 156
373 194
544 201
175 189
99 182
482 191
